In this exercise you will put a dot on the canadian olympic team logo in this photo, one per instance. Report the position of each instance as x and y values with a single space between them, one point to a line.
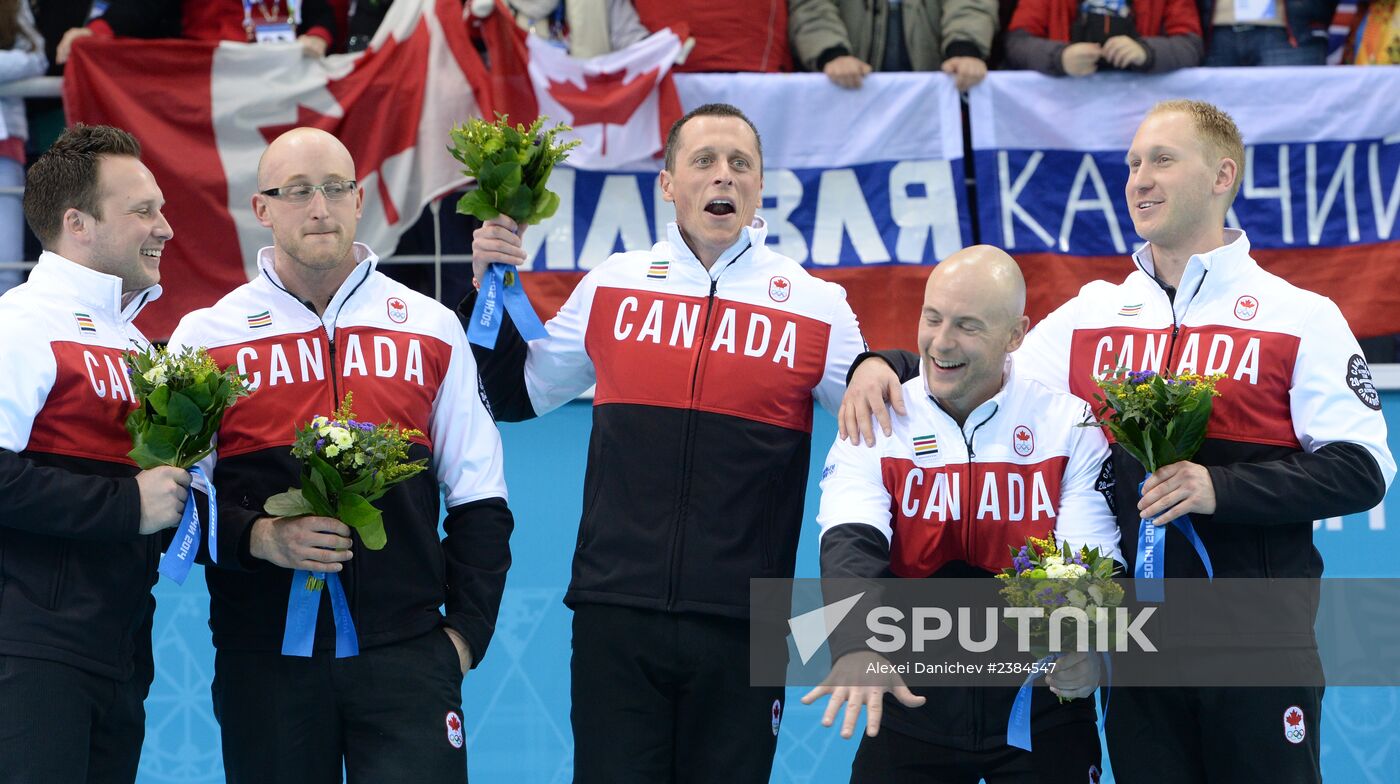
1295 729
398 310
454 729
1023 440
779 288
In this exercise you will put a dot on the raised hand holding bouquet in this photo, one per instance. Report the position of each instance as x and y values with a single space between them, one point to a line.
346 465
182 397
1049 577
1160 419
511 166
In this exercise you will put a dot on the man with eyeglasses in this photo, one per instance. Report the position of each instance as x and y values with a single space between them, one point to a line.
320 322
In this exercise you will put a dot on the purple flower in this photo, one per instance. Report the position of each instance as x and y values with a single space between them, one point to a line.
1141 376
1020 564
320 444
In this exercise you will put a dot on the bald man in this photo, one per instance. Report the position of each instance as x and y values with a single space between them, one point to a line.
318 323
1027 470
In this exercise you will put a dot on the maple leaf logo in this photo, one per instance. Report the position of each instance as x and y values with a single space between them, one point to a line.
1022 435
605 99
780 284
454 723
381 101
1247 303
1294 718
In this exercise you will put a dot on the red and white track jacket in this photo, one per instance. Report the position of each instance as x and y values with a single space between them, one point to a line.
405 359
75 573
702 417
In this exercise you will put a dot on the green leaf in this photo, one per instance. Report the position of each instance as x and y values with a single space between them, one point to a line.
359 514
546 204
182 413
474 203
316 496
517 205
143 457
329 476
511 175
158 399
289 504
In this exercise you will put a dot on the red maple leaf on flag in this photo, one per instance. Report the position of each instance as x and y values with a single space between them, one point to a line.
453 722
1294 718
381 101
605 99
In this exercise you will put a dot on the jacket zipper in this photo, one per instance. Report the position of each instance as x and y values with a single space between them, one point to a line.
968 440
1176 325
686 448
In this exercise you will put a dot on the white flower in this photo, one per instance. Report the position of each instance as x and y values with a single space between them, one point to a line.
1054 560
340 437
1096 593
156 375
320 422
332 450
1076 597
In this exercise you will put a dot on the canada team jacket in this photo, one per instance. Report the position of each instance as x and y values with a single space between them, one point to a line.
702 416
405 359
75 573
1297 433
934 498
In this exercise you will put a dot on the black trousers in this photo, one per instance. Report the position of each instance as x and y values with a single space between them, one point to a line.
665 697
391 714
1064 754
1215 736
62 725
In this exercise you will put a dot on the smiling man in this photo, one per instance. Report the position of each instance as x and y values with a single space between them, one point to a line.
318 323
708 351
1296 435
77 554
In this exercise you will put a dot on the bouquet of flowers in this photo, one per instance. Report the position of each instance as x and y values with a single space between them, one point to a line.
182 397
181 400
1159 418
511 166
346 465
1046 575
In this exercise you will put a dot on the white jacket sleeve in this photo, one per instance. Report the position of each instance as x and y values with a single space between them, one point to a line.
1085 517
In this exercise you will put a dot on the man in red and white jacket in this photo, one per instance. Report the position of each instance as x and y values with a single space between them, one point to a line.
984 459
77 554
709 352
1296 435
317 323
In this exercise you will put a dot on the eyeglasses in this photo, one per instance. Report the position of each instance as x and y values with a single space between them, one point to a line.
301 194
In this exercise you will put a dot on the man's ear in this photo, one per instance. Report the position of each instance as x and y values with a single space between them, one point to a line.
1226 174
667 183
260 210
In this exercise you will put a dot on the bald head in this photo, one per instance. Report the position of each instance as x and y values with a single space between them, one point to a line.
973 316
301 146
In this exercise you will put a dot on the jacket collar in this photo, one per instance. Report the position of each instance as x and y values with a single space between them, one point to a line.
92 289
754 235
1219 267
983 413
366 263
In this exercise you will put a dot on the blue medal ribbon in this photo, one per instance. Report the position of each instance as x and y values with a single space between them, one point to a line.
1018 724
304 604
177 559
501 291
1151 564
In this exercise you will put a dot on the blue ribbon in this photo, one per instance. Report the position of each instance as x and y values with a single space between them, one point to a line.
1018 724
304 604
177 559
1151 564
501 291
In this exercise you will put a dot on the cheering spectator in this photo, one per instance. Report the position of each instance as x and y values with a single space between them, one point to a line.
730 35
21 56
847 39
1072 38
586 28
212 20
1267 32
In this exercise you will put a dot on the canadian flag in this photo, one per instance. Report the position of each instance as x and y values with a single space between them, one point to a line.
204 113
621 105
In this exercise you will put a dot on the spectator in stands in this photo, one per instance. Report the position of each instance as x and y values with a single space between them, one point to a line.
21 56
1266 32
730 35
210 20
847 39
586 28
1375 35
1077 38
